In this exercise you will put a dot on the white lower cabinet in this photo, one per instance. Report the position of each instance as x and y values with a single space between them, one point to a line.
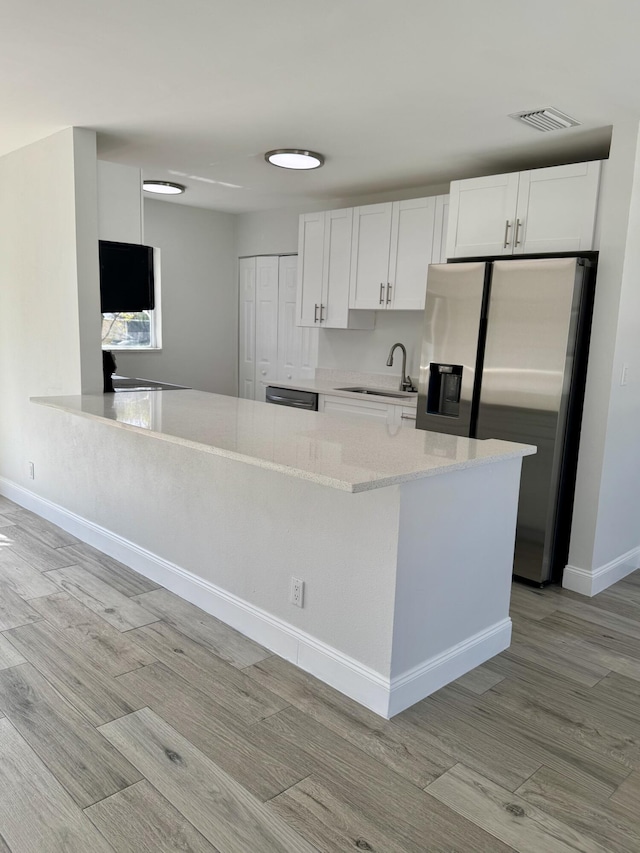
373 410
271 347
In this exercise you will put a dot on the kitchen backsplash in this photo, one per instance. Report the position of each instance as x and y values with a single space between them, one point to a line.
367 351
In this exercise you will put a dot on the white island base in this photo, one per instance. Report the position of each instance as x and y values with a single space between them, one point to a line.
404 539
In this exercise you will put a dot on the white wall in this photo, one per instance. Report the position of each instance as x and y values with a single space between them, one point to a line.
49 291
606 527
199 299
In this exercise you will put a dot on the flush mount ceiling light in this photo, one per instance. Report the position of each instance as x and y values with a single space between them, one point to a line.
163 187
294 158
547 119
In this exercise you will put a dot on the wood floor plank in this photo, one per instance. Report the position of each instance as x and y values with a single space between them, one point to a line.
530 602
9 655
230 687
84 763
112 606
22 578
49 534
505 815
5 522
588 612
64 664
7 506
222 810
479 680
455 710
583 809
111 650
212 729
14 611
139 819
40 556
328 822
36 813
395 743
381 796
536 643
210 632
117 575
628 795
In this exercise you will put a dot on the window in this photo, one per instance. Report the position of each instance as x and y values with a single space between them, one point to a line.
130 296
129 330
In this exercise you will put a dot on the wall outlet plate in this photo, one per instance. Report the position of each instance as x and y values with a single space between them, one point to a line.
296 595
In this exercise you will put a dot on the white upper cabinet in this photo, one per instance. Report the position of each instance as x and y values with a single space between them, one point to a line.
557 209
412 229
120 203
391 249
439 255
481 216
324 251
542 210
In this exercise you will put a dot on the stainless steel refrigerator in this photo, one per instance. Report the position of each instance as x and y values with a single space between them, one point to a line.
504 356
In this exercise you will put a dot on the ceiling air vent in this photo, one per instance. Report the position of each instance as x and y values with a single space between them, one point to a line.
546 119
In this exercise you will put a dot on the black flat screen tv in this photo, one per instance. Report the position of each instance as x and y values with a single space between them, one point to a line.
126 277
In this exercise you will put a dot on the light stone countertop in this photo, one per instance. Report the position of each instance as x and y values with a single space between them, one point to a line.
338 452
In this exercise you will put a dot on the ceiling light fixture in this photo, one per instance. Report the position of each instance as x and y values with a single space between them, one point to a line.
163 187
294 158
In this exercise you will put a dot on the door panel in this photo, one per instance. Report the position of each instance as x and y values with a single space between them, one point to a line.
451 335
482 216
531 328
337 263
411 252
310 270
266 323
246 328
370 255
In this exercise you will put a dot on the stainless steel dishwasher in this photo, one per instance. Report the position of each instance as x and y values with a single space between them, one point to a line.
292 397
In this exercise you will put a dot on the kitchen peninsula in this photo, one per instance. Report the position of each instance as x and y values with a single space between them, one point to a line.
403 538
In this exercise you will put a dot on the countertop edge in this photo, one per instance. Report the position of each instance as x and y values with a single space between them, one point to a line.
318 479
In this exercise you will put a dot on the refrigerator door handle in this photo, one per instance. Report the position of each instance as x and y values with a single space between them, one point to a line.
507 225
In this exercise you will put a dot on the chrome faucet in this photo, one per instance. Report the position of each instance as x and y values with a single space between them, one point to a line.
405 381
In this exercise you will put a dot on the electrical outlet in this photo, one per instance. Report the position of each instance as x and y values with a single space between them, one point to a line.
624 375
31 470
297 592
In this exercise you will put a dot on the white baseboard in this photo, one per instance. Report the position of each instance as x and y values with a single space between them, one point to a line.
378 693
591 583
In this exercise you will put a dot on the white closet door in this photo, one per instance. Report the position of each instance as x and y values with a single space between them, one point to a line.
266 323
247 328
297 345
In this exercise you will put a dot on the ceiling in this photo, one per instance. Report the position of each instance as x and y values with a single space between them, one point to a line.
402 94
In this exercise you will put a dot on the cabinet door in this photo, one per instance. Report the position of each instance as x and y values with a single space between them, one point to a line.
482 216
557 209
370 256
439 254
337 261
345 406
247 328
266 324
406 416
310 267
412 225
297 345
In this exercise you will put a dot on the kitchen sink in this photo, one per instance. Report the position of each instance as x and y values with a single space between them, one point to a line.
381 392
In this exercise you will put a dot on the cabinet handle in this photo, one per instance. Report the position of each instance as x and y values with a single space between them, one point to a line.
381 293
517 240
315 314
389 288
322 317
407 417
507 225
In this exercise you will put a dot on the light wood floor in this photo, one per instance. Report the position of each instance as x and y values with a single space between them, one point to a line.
131 721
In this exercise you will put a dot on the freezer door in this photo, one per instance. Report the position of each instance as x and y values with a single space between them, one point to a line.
526 383
453 317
